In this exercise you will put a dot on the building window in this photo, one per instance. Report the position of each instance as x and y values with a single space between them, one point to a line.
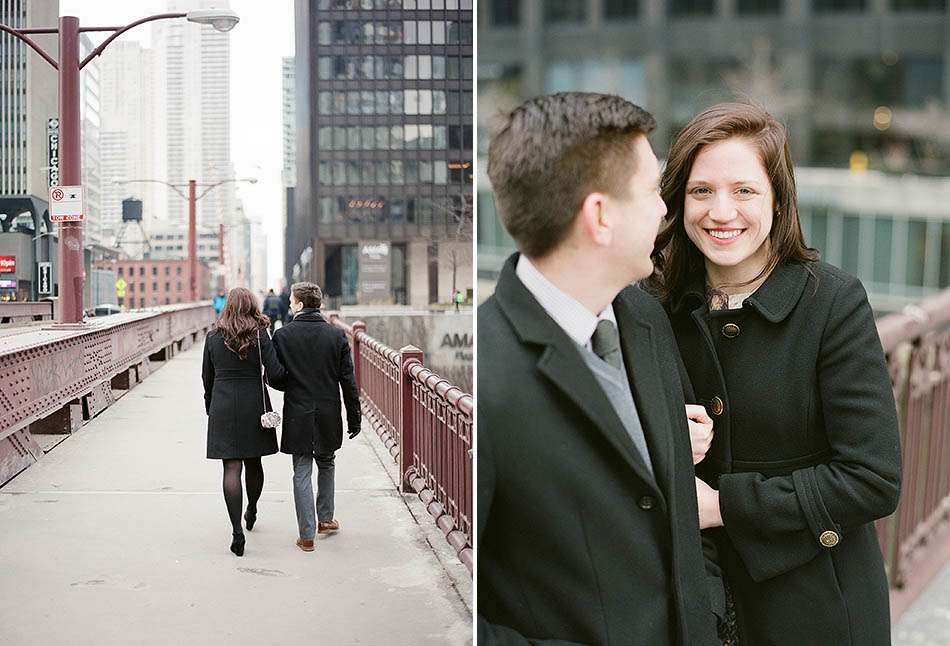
120 271
168 270
759 7
621 9
838 5
142 273
179 285
142 302
564 11
154 287
919 5
505 13
692 7
168 287
178 271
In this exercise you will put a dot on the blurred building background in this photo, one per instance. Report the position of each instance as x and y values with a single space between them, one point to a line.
863 86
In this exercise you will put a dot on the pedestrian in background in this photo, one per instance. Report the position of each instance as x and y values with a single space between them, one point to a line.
235 399
272 308
285 306
218 302
458 299
317 357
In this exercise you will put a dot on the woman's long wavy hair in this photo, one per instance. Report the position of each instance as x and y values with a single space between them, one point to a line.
676 259
241 321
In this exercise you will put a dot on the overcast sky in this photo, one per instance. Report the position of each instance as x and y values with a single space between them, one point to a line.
264 35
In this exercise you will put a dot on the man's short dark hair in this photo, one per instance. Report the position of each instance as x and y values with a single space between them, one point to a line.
309 294
553 151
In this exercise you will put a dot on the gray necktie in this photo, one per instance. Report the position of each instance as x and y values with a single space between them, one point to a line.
606 342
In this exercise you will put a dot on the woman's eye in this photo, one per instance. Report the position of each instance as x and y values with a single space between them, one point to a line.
699 190
746 191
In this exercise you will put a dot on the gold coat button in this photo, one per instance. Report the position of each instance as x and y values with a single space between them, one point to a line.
730 330
716 406
829 538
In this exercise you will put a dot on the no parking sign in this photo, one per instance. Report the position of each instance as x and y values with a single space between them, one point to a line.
65 204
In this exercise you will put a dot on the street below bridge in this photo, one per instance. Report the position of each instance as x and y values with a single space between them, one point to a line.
120 535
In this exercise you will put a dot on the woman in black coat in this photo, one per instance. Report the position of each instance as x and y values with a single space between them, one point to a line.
784 353
235 399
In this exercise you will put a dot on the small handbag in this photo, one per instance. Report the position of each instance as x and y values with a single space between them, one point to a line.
270 418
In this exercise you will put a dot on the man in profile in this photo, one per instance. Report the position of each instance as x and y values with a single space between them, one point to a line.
588 529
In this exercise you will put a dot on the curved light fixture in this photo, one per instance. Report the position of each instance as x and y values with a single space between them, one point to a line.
220 19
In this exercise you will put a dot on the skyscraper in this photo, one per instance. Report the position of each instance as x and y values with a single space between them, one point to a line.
90 126
128 139
382 207
28 99
194 63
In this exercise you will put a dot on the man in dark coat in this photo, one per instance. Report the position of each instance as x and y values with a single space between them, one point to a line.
272 308
317 358
285 306
588 528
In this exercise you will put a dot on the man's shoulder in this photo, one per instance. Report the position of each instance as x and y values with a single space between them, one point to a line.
645 306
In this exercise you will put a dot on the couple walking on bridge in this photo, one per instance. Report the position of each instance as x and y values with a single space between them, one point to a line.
309 359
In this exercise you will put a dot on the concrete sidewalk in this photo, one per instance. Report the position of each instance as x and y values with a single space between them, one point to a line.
120 536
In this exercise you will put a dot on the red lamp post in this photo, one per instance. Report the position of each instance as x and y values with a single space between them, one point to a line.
71 272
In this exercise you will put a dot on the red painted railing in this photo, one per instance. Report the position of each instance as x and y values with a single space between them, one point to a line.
426 424
53 378
917 343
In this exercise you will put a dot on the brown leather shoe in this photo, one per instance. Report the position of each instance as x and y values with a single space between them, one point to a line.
305 545
329 527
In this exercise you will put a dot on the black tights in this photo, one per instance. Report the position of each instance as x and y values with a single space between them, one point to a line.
233 495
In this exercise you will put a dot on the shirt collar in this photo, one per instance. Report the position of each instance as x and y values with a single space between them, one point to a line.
576 320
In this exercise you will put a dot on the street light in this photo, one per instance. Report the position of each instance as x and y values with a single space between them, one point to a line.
71 272
192 199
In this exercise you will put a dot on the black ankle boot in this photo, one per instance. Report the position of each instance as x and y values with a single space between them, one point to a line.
250 517
237 544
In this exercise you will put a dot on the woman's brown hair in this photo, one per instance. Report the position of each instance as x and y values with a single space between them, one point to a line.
675 257
241 321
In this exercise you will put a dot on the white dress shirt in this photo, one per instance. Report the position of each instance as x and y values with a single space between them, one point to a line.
576 320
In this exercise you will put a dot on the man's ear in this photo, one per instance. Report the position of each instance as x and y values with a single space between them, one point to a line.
593 220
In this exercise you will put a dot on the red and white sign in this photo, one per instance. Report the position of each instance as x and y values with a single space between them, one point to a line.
65 204
7 264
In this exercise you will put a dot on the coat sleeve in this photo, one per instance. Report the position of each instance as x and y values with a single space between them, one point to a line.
351 395
273 367
775 523
207 374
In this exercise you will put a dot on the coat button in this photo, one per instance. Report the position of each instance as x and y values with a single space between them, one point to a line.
716 406
829 538
646 503
730 330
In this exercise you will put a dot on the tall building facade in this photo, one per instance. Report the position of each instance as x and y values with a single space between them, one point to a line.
862 85
129 141
289 166
90 125
194 81
382 205
28 99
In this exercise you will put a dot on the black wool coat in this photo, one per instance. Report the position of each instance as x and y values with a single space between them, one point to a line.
806 453
577 542
234 400
319 365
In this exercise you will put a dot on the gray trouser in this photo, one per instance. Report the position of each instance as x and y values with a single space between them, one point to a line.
303 491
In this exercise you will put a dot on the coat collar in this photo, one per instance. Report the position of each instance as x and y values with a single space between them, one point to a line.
311 314
562 364
774 300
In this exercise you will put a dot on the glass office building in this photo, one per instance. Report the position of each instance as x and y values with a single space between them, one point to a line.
382 210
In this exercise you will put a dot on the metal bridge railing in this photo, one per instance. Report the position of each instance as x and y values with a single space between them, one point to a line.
426 424
917 343
53 378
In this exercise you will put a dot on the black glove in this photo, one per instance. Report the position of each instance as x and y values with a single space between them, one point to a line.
353 432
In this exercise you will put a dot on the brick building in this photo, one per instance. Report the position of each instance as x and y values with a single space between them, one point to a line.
157 282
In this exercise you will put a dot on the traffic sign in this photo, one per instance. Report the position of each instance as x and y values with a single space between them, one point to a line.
65 204
120 286
46 278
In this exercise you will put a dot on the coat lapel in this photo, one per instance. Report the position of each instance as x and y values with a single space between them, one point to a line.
646 382
562 364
